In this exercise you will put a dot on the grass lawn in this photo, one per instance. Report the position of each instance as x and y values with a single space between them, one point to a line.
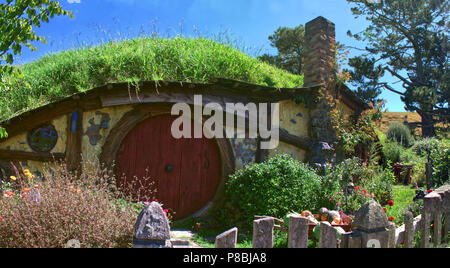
403 197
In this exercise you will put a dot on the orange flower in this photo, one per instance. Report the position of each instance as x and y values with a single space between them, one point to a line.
10 194
36 186
26 190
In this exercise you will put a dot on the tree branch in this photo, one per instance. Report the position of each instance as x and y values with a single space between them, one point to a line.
398 76
385 85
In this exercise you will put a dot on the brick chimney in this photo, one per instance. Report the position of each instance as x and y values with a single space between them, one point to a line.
319 59
319 69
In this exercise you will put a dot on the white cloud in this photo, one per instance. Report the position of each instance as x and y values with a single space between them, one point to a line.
74 1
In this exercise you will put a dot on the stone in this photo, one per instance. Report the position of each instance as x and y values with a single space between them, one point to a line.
328 235
409 230
263 233
227 239
391 235
371 217
298 232
353 241
152 228
373 226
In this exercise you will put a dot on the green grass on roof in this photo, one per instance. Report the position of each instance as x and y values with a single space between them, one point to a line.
191 60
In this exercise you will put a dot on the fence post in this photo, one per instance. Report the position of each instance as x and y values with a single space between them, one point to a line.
430 203
391 235
328 236
298 232
263 233
409 230
447 227
437 227
227 239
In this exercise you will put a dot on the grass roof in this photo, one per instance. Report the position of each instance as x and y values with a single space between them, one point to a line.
191 60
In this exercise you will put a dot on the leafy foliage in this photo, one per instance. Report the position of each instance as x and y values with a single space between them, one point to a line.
290 44
365 76
352 132
400 133
409 38
276 187
17 19
440 158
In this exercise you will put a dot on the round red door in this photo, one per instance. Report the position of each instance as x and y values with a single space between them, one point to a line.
184 172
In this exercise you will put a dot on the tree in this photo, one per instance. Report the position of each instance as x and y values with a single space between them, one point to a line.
365 76
17 19
409 39
290 45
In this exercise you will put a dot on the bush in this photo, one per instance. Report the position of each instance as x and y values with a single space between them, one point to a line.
400 133
84 209
424 146
392 152
381 184
418 175
275 188
441 163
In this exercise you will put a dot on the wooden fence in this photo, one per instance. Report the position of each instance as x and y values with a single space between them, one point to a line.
369 231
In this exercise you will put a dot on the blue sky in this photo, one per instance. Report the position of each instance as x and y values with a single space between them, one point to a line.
247 22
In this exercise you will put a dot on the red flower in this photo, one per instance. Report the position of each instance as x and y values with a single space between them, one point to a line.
384 209
391 218
390 203
430 190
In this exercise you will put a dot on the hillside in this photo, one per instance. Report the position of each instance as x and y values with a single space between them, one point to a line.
192 60
410 119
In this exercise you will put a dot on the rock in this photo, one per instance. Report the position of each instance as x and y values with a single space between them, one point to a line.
371 217
373 226
227 239
298 232
328 236
152 228
263 233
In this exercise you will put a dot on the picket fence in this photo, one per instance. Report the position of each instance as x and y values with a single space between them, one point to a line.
436 210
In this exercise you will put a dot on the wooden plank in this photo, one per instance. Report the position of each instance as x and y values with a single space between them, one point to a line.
35 118
20 155
300 142
74 141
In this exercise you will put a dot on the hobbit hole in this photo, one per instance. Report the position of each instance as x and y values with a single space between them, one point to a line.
130 133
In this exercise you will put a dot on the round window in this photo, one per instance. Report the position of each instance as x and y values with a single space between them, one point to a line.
43 139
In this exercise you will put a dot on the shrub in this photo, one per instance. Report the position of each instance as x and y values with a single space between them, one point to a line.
392 152
84 209
418 175
441 163
381 184
399 133
276 187
424 146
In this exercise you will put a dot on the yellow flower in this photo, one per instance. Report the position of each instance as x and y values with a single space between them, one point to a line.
13 178
28 174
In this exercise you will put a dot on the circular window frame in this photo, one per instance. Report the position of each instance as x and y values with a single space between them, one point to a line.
33 130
